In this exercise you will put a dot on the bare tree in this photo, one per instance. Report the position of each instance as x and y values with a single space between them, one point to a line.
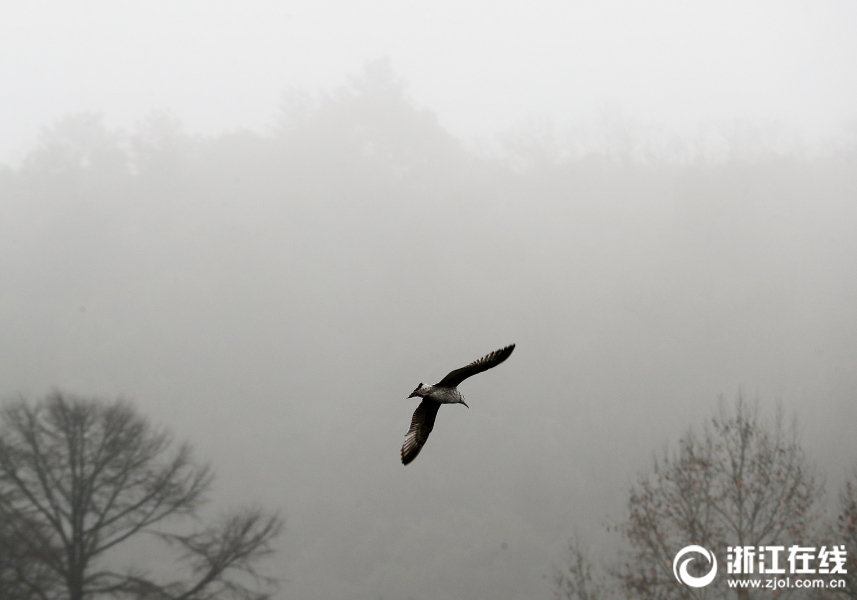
79 477
579 578
19 565
845 529
742 482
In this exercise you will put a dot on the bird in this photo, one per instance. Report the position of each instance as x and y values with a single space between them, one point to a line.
443 392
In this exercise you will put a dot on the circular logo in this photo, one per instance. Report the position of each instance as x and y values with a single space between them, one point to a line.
681 571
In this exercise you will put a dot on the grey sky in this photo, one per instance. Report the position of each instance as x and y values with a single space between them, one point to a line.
481 67
274 300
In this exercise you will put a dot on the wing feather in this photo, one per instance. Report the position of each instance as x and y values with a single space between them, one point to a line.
477 366
421 425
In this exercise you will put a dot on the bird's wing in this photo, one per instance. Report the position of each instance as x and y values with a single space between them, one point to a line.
477 366
421 425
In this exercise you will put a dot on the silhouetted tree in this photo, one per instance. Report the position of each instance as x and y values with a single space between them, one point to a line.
79 477
76 142
369 127
579 578
19 565
741 483
845 531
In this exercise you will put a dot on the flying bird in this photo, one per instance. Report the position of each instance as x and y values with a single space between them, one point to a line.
443 392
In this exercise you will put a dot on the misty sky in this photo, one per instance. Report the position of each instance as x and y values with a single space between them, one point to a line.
481 67
273 297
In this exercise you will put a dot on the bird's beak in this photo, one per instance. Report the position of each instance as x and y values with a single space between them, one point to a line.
464 403
413 395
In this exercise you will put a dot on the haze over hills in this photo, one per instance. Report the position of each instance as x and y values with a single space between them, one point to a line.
222 65
274 299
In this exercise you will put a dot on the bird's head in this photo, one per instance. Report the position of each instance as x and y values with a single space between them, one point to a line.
416 392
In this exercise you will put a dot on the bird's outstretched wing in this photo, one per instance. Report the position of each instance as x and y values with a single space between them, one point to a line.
477 366
421 425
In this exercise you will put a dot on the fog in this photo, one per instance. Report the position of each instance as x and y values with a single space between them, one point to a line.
222 65
269 265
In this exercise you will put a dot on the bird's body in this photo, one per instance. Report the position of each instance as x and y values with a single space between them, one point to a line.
439 393
443 392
